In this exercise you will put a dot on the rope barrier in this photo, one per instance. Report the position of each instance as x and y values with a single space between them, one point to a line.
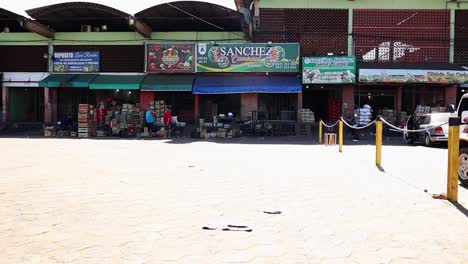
332 126
356 127
409 130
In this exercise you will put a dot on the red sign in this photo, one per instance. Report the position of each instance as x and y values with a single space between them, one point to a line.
170 58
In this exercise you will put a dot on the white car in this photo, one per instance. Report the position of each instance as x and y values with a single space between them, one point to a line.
438 122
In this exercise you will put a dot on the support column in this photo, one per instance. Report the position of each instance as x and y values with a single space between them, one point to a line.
450 95
299 106
196 109
145 98
5 104
249 103
350 32
47 107
53 103
452 36
347 95
399 95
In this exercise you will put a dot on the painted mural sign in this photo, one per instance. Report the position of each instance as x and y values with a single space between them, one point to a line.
324 70
170 58
82 61
413 76
248 57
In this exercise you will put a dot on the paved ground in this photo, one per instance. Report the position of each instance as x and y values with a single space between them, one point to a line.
134 201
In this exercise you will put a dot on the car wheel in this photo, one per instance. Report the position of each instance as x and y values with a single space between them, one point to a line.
428 141
463 167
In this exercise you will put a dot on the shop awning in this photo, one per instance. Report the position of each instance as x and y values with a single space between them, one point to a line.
82 80
23 79
441 73
56 80
171 83
113 82
246 84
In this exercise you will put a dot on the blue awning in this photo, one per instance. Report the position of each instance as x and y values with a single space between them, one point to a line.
246 84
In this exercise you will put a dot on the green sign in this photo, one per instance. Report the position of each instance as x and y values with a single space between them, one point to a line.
323 70
248 57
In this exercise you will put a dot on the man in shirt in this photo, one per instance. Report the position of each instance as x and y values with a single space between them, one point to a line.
167 119
149 118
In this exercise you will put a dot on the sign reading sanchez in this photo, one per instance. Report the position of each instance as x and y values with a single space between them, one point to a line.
323 70
248 57
87 61
169 57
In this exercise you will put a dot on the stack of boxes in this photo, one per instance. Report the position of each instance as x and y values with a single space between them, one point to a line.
307 116
333 110
86 121
389 115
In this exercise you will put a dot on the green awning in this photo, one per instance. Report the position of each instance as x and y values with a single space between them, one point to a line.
171 83
82 80
113 82
55 80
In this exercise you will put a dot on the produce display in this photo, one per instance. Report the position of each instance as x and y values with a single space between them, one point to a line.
86 121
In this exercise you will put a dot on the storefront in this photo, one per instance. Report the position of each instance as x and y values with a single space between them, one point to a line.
398 90
252 83
23 98
71 90
326 84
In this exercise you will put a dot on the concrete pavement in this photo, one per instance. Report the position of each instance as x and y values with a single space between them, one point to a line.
134 201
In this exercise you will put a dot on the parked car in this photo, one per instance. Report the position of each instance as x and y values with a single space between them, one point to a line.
437 134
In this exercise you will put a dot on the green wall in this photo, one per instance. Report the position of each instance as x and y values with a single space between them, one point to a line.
117 38
368 4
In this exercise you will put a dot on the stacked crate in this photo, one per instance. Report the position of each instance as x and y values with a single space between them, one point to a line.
307 116
86 123
159 107
333 110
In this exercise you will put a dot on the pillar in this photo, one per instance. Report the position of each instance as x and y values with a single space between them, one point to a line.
399 96
347 95
50 104
450 95
4 104
249 103
196 109
299 106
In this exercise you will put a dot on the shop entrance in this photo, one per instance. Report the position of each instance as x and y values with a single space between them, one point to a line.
69 99
26 104
323 100
182 104
380 98
277 106
215 104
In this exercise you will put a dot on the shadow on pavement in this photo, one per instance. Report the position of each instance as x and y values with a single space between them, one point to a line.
460 208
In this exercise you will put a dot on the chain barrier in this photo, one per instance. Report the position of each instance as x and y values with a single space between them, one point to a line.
409 130
332 126
356 127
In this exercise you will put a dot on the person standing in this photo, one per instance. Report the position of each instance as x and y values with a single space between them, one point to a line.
149 119
167 120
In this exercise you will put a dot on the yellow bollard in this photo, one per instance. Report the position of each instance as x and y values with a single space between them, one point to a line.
378 143
340 136
453 156
320 131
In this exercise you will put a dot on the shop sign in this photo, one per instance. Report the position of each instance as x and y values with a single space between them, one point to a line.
170 58
323 70
413 76
82 61
248 57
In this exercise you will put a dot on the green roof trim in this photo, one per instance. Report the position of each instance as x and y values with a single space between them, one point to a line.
55 80
114 82
168 83
82 80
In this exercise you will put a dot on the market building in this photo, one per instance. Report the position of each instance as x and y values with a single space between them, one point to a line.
265 64
421 42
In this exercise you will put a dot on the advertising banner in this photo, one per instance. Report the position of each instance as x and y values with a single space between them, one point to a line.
170 58
412 76
325 70
82 61
248 57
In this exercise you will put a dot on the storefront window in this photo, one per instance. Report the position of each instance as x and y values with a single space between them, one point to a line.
277 106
